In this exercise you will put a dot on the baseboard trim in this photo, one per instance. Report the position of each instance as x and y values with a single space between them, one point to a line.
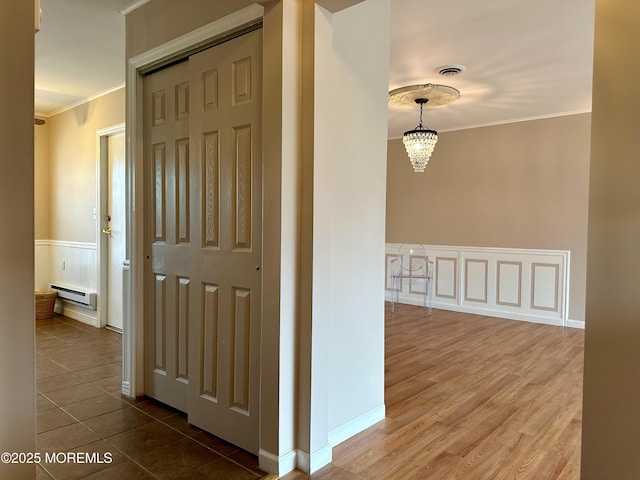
575 324
357 425
521 317
310 463
280 465
126 389
405 300
302 460
70 311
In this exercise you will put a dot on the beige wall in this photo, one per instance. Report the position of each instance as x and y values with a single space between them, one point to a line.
519 185
42 182
164 20
281 225
72 166
17 376
611 417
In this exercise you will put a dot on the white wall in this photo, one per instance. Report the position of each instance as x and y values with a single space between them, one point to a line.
350 82
17 375
342 225
352 185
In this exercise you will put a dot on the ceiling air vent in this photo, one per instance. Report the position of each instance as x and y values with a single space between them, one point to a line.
449 70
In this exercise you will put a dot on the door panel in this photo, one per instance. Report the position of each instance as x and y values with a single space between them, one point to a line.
204 233
227 220
168 284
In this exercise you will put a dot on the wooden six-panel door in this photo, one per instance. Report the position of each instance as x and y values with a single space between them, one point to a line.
204 235
168 243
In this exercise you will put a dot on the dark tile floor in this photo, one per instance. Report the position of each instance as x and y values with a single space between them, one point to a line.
79 409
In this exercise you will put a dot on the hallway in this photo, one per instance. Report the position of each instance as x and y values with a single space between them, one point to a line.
467 397
79 408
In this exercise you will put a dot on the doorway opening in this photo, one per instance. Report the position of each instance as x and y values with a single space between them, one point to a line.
111 224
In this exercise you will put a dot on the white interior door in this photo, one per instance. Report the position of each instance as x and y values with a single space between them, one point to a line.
115 222
202 141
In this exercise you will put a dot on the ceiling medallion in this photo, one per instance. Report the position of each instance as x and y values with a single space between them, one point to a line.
421 141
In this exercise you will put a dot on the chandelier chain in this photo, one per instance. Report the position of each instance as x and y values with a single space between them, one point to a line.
421 102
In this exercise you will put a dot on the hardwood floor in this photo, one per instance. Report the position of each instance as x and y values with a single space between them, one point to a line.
471 397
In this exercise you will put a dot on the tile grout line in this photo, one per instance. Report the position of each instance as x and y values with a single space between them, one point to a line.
127 404
190 437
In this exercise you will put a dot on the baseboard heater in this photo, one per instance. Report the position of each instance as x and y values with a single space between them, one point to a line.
84 298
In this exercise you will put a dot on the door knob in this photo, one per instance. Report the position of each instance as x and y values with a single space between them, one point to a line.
107 230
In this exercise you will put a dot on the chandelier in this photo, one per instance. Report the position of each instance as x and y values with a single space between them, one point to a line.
421 141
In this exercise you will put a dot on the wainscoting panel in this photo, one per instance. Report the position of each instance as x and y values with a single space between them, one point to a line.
545 279
509 283
476 280
419 264
42 259
446 278
72 264
519 284
393 264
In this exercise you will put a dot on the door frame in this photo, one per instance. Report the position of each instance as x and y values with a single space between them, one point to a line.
102 192
133 280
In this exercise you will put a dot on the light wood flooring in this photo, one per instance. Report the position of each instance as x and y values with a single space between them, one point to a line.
471 397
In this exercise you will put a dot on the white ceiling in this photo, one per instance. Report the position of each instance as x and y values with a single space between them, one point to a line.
524 59
79 52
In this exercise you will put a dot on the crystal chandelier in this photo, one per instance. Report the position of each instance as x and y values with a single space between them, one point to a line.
421 141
